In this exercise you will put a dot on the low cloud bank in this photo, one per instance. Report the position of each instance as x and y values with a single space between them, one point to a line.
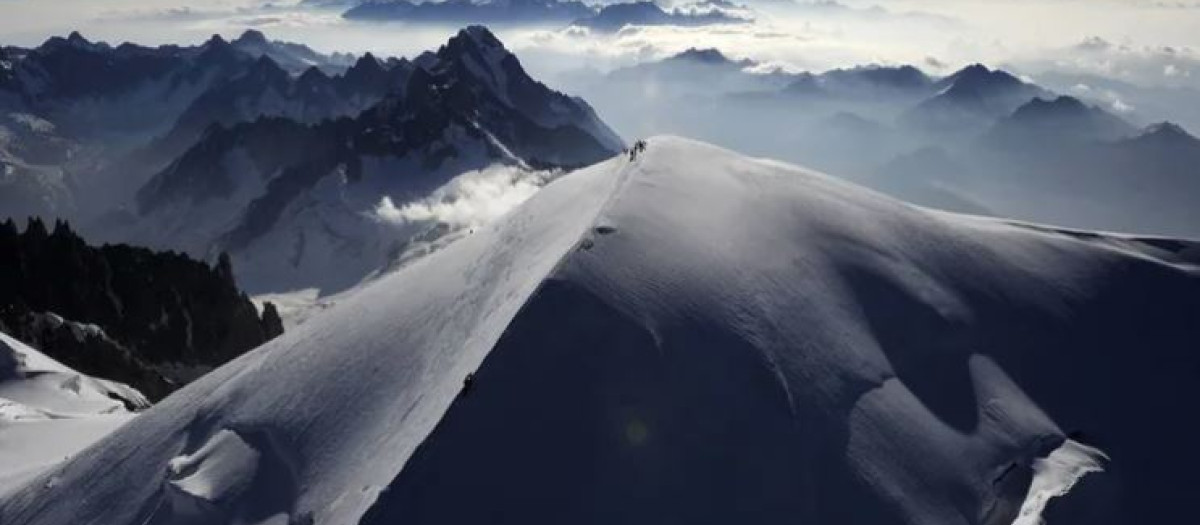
470 200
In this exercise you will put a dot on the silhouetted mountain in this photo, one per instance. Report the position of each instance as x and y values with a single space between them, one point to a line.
863 82
700 70
1056 161
151 320
971 99
1042 123
1166 136
613 17
469 107
468 11
266 89
86 88
706 56
83 92
1161 162
289 55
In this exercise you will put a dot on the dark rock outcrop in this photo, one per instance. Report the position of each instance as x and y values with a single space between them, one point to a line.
150 319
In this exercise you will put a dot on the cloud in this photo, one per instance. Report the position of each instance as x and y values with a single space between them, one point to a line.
470 200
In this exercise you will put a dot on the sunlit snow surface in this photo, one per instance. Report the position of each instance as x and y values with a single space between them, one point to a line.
1054 475
48 412
689 336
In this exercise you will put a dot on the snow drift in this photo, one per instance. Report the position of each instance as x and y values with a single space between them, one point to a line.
692 336
49 411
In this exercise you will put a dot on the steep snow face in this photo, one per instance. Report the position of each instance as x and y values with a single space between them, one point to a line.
49 412
689 336
344 403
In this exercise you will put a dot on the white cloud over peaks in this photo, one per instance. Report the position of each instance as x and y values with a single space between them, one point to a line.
472 199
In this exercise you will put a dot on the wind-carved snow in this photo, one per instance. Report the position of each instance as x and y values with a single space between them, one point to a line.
219 471
472 199
691 336
1055 475
49 412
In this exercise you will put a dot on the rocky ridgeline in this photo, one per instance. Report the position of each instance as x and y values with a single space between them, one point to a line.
153 320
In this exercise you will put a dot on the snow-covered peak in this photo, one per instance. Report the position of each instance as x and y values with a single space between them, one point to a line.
1167 131
861 360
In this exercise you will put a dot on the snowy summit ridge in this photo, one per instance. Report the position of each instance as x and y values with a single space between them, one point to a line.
688 335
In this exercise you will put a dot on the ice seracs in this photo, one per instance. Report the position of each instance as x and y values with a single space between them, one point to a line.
689 336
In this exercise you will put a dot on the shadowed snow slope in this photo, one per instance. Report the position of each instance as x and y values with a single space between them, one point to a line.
690 336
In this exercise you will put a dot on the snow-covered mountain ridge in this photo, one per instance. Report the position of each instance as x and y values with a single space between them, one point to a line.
293 203
692 336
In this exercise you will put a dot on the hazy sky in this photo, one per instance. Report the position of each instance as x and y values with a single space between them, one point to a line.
1147 41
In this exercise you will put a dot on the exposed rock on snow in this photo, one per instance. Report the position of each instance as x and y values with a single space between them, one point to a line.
741 342
153 320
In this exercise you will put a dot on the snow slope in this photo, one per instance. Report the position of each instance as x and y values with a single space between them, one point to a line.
49 412
690 336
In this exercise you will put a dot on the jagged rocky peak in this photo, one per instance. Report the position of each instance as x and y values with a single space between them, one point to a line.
978 77
367 69
265 69
74 40
217 52
312 76
458 112
478 49
252 36
216 40
708 54
367 62
474 70
77 39
124 313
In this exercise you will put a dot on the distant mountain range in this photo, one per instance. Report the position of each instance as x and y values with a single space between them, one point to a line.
979 140
613 17
68 129
281 168
971 99
299 196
